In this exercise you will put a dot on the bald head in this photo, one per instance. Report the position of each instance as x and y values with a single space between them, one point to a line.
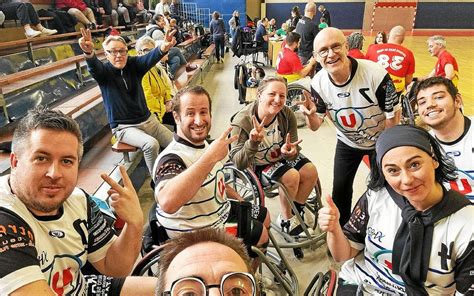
310 9
328 33
396 35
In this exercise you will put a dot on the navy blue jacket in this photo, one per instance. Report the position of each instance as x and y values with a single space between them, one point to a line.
122 90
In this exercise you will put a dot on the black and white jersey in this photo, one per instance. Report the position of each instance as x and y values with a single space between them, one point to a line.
462 151
52 248
359 107
209 207
372 229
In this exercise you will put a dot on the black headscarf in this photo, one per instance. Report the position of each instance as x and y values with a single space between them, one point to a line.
412 243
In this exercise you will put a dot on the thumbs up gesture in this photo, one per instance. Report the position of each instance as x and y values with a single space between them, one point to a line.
328 216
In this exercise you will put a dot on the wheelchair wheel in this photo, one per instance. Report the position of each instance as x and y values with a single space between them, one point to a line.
245 183
148 265
313 204
328 287
295 91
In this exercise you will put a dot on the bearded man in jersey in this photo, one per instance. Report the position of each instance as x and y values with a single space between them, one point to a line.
360 98
190 187
49 228
439 106
398 60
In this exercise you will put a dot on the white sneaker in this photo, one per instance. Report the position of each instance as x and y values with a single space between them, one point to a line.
293 226
32 33
47 32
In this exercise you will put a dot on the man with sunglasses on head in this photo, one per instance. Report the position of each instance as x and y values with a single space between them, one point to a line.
359 97
120 81
205 262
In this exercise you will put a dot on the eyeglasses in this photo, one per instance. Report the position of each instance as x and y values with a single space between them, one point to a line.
232 284
116 52
146 50
336 48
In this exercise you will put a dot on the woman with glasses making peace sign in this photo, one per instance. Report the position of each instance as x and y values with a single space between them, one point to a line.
120 81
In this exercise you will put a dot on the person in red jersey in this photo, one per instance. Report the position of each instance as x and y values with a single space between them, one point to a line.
446 66
395 58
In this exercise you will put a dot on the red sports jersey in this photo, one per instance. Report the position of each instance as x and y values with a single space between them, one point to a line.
356 53
396 59
445 58
288 62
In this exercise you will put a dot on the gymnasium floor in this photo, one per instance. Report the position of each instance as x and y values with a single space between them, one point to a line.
319 146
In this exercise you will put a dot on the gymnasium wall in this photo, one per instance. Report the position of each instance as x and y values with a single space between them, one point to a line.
430 14
445 15
344 15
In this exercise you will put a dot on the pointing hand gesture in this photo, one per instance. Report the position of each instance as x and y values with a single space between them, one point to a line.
328 216
169 41
85 42
289 149
124 199
258 132
219 148
306 104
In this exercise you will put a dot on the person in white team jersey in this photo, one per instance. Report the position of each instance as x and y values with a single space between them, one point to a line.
439 106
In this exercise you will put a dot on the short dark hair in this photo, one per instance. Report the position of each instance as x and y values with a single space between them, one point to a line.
445 172
197 90
292 37
156 18
429 82
216 15
185 240
44 118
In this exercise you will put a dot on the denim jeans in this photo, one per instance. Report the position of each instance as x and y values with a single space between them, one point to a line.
148 136
175 60
219 42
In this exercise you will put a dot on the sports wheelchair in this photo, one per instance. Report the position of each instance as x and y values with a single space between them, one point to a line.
409 106
247 186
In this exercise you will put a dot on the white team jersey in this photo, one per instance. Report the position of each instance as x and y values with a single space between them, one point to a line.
62 244
373 266
269 149
208 208
354 107
463 154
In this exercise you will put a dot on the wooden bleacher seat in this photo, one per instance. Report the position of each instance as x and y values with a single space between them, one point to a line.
124 149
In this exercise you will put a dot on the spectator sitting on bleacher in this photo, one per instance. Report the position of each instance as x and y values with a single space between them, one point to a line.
175 11
120 81
79 10
162 7
156 85
174 27
50 228
176 59
102 8
28 17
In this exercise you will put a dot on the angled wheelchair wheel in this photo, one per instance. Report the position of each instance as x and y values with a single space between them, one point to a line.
148 265
295 92
245 184
313 204
328 287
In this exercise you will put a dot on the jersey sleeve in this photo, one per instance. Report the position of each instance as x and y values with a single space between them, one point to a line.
318 101
356 228
463 272
19 263
168 166
101 233
387 97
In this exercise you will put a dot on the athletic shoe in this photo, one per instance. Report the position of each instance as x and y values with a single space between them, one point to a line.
30 33
47 32
293 226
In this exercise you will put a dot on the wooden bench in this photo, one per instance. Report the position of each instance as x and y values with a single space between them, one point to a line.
125 149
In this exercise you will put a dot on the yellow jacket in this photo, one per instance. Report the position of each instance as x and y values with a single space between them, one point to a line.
157 89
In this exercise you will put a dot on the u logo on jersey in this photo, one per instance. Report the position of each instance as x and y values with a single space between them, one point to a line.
349 119
463 184
219 187
62 274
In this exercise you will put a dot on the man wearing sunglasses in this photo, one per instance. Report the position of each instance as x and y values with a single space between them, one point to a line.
205 262
359 97
120 81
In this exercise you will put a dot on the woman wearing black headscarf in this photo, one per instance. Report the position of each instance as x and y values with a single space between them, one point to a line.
407 233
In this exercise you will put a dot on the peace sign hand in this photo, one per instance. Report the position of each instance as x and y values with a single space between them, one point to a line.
290 150
258 132
85 42
124 199
219 148
169 42
307 106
